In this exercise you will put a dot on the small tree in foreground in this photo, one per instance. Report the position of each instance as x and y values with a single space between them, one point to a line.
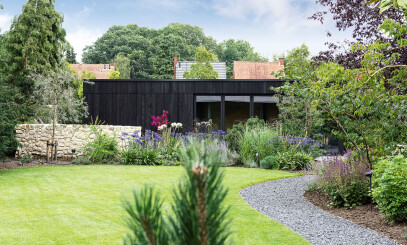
199 214
56 101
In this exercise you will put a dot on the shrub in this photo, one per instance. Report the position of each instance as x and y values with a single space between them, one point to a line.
294 160
234 134
198 214
81 160
103 148
252 143
343 180
140 150
390 187
270 162
10 110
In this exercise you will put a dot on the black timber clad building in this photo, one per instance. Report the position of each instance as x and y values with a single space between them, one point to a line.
226 101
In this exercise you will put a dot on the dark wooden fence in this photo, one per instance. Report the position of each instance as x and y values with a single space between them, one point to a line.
133 102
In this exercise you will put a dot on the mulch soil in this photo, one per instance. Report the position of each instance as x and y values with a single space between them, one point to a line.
361 215
13 163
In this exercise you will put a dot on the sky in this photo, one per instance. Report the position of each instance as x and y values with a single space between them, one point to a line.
271 26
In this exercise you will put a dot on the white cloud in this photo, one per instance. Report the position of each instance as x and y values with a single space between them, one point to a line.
5 22
285 16
80 37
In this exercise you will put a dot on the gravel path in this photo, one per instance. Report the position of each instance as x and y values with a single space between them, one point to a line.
283 201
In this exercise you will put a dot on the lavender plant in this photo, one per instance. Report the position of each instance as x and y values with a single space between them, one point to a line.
343 180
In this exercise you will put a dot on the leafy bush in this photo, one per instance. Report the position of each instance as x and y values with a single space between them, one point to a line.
139 155
252 143
294 160
234 134
344 180
390 187
103 148
81 160
10 110
270 162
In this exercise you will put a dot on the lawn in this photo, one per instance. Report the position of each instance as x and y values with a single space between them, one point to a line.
82 204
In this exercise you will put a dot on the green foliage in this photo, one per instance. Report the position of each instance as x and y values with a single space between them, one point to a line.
103 149
202 69
385 5
114 74
87 75
235 133
82 160
390 187
270 162
146 221
343 180
200 216
35 44
296 114
256 140
232 50
151 51
122 65
55 98
139 155
252 142
70 56
25 159
77 84
294 160
9 111
366 107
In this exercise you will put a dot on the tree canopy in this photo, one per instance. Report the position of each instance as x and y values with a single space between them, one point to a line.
151 52
35 43
202 69
237 50
364 21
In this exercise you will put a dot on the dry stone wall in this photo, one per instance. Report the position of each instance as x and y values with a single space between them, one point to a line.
34 137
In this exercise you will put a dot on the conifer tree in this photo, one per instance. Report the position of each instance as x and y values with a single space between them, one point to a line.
198 215
71 56
35 44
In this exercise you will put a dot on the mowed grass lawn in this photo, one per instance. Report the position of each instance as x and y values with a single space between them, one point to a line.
82 204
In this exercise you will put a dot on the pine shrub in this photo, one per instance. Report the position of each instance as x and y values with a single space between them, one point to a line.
199 214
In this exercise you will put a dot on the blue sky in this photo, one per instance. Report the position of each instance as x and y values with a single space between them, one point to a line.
271 26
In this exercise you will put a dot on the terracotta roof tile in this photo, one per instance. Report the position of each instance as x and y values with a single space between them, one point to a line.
100 71
255 70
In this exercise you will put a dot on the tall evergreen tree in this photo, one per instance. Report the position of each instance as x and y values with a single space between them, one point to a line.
35 44
71 56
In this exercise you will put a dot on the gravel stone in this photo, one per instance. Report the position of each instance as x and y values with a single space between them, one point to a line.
283 201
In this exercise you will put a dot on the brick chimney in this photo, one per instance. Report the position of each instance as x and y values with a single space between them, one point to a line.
175 66
281 61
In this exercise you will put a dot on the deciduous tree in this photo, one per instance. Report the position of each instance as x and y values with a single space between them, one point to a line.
202 69
363 21
122 64
237 50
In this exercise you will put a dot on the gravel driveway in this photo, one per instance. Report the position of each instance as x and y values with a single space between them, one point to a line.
283 201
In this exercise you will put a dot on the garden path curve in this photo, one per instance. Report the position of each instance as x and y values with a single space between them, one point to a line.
283 201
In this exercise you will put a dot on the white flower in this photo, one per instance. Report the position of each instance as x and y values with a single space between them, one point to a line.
176 125
162 127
